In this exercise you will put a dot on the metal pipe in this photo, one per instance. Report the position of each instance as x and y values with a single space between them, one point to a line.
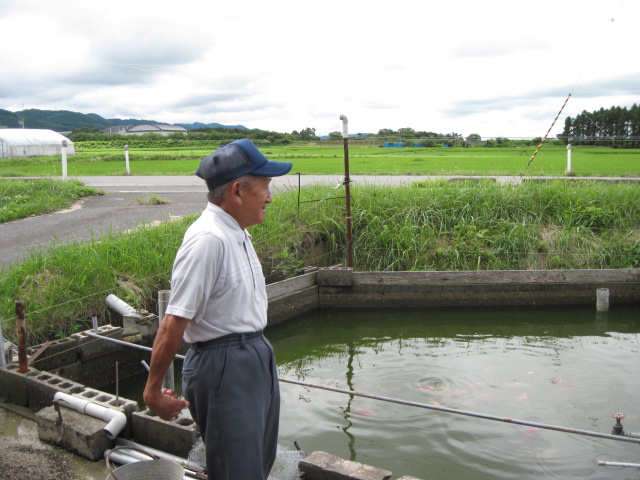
184 462
467 413
3 360
602 463
126 344
347 182
117 385
631 438
119 342
163 301
21 334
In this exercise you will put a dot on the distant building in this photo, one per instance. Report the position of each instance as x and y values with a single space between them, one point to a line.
145 128
28 142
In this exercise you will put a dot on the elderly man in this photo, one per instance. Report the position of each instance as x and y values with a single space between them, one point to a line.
218 304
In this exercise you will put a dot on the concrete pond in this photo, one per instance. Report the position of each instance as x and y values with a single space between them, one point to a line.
82 366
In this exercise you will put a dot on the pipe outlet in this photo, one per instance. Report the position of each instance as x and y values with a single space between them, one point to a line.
115 419
120 306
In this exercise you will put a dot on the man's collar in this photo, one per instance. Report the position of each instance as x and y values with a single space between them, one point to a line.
238 233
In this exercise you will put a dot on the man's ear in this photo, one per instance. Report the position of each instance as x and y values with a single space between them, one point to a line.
235 191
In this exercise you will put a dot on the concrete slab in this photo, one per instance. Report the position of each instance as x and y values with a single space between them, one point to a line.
324 466
78 433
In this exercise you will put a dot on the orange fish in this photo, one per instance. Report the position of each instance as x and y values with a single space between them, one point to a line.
362 411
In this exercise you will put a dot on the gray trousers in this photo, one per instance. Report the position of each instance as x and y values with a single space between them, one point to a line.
231 384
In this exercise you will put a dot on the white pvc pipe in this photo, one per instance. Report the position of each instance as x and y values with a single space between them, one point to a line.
115 419
120 306
345 126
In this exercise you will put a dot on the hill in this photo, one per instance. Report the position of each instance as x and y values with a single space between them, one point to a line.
66 121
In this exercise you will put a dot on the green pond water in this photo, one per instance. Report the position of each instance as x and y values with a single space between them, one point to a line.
568 367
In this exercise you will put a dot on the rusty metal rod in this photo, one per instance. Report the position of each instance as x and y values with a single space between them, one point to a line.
467 413
347 183
21 334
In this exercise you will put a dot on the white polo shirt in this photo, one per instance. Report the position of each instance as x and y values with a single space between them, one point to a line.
217 279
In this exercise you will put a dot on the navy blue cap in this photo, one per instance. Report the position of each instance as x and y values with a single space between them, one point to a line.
236 159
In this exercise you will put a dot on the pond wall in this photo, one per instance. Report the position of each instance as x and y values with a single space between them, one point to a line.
344 288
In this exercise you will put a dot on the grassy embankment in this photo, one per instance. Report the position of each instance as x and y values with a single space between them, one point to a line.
25 198
430 226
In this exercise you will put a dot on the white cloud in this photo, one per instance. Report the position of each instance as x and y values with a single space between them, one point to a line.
496 67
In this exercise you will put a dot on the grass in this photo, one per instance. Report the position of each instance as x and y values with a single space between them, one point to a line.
25 198
152 199
479 225
364 159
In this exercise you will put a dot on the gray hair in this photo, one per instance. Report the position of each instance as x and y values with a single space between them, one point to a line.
216 196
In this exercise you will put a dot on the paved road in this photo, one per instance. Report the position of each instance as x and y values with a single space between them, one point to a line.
119 208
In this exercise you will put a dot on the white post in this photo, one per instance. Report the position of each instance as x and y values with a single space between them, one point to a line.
569 159
126 159
63 153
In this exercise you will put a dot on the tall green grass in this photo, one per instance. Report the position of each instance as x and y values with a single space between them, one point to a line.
429 226
24 198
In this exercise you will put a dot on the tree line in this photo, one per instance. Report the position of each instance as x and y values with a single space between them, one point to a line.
615 127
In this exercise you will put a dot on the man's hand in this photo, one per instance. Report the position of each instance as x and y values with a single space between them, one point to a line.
166 404
163 401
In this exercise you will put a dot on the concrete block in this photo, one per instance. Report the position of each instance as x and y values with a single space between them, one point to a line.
335 277
13 385
324 466
90 347
409 478
57 354
78 433
144 324
175 436
42 386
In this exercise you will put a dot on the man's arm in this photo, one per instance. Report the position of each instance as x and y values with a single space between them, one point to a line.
165 403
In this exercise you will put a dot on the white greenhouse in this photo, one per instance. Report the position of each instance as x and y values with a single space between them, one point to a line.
26 142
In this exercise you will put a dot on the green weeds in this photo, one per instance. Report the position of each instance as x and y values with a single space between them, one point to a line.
25 198
480 225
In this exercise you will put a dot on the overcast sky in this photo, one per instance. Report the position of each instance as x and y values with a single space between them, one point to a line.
493 67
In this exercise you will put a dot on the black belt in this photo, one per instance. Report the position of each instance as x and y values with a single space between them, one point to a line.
228 340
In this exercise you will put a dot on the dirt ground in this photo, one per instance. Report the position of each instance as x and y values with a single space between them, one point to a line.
23 456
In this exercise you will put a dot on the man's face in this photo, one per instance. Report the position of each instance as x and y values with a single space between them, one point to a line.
255 195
